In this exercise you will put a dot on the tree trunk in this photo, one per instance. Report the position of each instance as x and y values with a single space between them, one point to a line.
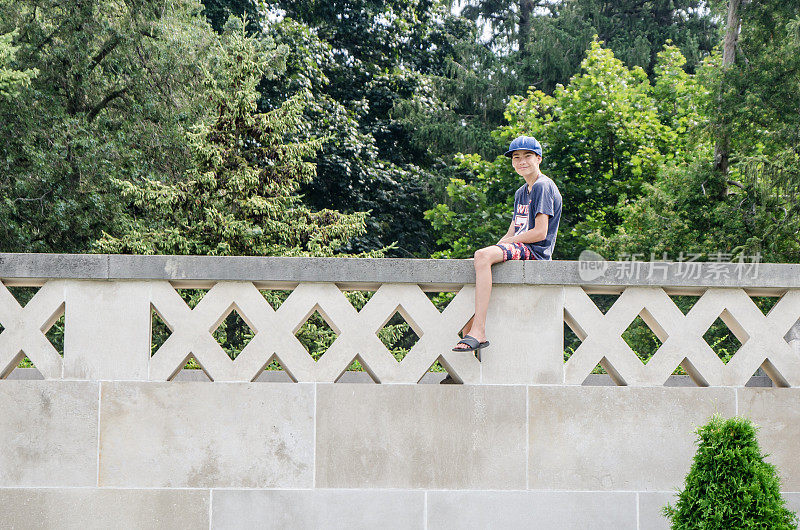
525 16
722 147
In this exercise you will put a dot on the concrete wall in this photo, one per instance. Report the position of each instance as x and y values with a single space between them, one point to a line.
94 454
104 434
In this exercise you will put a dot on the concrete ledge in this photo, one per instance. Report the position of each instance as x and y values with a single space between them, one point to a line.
245 435
50 266
48 433
566 510
284 270
420 436
767 279
90 508
329 509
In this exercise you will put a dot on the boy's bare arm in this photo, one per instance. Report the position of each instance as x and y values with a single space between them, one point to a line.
509 234
537 233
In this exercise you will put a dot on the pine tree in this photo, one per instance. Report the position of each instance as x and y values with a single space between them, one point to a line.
240 197
729 484
11 79
116 85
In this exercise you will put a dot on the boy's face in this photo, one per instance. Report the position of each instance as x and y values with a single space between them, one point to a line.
526 163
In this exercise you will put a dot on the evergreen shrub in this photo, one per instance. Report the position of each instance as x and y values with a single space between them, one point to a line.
729 484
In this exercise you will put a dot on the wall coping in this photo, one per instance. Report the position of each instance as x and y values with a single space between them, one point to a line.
764 279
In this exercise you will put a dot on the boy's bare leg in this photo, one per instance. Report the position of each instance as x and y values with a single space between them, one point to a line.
484 259
467 326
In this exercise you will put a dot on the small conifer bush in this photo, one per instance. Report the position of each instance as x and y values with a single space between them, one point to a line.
729 485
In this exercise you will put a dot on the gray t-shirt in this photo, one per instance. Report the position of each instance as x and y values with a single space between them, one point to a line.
544 197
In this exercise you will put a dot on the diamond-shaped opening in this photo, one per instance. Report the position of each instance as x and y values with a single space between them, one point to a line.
159 331
398 335
21 367
275 297
574 334
357 372
440 300
604 301
192 371
571 341
274 372
679 371
765 303
356 365
772 372
604 374
440 372
358 299
686 375
722 340
192 297
685 302
316 334
793 336
760 378
233 334
23 295
641 338
56 334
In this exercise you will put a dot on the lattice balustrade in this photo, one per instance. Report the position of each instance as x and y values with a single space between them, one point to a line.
275 333
108 335
24 330
762 337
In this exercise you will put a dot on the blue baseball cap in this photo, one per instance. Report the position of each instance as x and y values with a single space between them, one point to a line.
526 143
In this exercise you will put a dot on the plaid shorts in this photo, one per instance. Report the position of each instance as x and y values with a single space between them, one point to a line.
515 251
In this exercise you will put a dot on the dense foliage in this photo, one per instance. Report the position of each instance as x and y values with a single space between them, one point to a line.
117 85
603 137
729 484
239 197
123 129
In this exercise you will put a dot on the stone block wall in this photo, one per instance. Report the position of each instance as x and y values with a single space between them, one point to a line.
108 433
130 454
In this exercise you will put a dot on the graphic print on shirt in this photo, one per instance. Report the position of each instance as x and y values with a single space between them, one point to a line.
521 219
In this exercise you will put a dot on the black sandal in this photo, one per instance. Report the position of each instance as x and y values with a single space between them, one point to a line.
472 343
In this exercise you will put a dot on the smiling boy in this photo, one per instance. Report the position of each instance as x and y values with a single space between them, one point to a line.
532 234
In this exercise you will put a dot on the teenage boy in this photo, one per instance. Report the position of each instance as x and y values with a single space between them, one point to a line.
532 234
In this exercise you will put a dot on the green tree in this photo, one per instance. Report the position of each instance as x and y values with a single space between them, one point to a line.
117 85
218 11
751 208
602 139
11 79
758 115
240 193
546 39
360 60
455 108
729 484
